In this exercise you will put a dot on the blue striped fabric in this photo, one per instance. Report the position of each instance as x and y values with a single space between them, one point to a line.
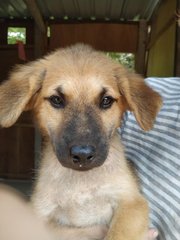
156 155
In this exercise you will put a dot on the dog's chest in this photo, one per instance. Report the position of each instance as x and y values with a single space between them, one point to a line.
86 205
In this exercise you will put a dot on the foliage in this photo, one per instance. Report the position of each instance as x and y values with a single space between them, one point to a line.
127 59
15 33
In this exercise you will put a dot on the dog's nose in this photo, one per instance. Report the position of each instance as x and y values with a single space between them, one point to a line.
82 154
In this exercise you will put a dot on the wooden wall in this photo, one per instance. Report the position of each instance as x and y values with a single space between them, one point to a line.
17 149
17 142
9 53
161 59
102 36
110 37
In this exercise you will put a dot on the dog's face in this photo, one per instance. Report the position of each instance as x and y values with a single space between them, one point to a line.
78 96
79 110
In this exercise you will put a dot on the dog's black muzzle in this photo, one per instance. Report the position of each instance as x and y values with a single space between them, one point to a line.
81 145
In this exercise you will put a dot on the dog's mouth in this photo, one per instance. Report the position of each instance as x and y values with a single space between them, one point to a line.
83 166
81 157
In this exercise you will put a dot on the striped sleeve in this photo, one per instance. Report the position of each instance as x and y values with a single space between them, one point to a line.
156 156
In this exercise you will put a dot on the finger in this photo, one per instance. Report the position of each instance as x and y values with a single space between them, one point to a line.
152 233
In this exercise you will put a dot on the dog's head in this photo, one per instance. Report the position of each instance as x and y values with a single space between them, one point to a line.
78 96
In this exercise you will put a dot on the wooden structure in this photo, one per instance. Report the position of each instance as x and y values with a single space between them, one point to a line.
153 36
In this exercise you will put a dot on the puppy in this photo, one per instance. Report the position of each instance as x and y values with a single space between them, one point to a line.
84 185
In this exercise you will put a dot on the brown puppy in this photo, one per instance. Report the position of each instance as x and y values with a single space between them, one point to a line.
78 96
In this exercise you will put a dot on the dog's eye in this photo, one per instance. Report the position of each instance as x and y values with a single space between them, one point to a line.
106 102
57 101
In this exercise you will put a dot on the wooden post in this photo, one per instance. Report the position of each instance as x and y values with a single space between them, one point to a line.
40 30
40 42
40 48
177 47
36 14
3 32
141 48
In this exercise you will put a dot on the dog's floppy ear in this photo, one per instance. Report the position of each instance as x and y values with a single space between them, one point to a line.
16 92
138 97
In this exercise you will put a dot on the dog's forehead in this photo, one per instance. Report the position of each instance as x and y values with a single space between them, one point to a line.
74 81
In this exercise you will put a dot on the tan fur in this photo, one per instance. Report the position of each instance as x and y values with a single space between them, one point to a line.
78 202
